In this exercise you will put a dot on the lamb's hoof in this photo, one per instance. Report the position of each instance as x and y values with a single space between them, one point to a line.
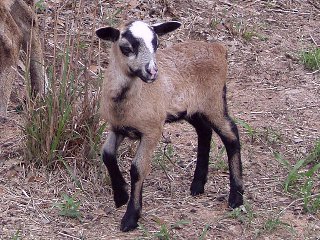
129 222
197 188
235 199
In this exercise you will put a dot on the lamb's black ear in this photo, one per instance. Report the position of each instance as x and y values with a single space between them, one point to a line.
108 34
164 28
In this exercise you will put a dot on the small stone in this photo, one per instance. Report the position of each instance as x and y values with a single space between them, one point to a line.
221 198
7 144
193 210
297 140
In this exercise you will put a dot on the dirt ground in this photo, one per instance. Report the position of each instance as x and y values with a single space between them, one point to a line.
268 88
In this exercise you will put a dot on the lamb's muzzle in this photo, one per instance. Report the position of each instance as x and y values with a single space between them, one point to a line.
189 83
152 70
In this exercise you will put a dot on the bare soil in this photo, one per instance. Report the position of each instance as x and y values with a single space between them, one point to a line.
268 88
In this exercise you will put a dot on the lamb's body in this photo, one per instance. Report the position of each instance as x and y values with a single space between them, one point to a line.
137 101
182 87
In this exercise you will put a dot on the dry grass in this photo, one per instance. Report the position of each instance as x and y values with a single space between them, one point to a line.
64 125
267 92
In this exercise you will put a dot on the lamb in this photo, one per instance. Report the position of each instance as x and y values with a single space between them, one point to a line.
145 88
18 28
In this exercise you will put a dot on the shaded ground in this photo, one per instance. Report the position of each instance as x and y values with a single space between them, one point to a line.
269 89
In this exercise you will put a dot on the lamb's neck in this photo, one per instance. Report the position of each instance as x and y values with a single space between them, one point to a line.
121 86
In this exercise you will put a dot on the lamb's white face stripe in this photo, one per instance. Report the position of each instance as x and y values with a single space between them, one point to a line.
143 31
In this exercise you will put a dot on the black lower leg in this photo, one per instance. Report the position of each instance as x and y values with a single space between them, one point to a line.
235 165
204 133
117 181
132 215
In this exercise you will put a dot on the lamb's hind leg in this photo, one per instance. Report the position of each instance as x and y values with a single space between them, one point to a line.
204 132
228 132
110 160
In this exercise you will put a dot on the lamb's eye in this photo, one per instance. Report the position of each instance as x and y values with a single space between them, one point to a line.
126 50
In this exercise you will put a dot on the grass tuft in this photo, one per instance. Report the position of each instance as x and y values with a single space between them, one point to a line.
64 125
249 129
311 59
69 207
166 231
274 223
17 235
303 177
243 214
204 232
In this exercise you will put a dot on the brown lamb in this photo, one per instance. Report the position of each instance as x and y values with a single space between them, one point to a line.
145 88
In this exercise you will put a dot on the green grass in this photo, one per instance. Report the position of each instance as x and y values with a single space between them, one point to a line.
17 235
69 207
163 155
217 158
112 18
248 128
243 214
39 5
64 126
165 231
215 22
204 232
272 224
311 59
218 163
241 29
303 177
248 35
271 136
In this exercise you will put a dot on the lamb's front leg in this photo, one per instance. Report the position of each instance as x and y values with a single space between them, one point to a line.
110 160
139 170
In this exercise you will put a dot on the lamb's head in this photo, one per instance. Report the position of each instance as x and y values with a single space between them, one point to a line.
135 46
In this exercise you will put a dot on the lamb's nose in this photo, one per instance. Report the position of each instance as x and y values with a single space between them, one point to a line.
152 69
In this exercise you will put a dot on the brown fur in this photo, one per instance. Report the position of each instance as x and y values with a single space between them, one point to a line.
192 79
184 84
18 29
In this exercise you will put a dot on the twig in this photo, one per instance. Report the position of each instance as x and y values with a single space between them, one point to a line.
314 4
313 72
296 200
252 3
170 178
68 235
230 4
166 155
101 9
315 83
314 41
188 165
82 64
24 193
287 11
191 27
